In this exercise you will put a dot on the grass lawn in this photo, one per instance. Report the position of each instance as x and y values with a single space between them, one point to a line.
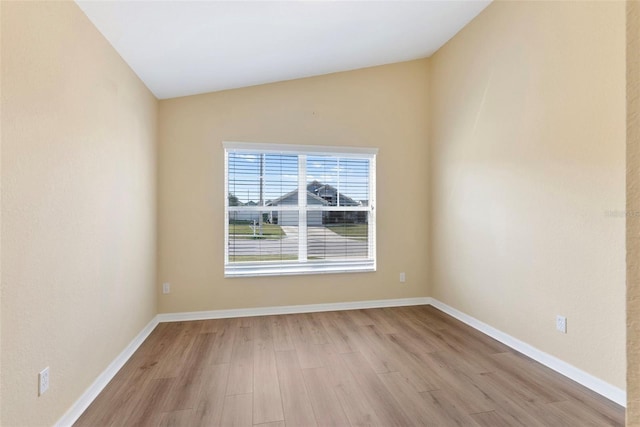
352 231
244 231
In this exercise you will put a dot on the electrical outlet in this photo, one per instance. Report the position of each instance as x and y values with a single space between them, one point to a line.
166 288
561 324
403 277
43 381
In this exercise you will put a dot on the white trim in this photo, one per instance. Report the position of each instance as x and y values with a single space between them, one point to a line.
72 415
343 150
296 268
281 208
290 309
226 206
372 221
601 387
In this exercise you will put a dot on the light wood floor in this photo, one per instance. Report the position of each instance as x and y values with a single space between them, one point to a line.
387 367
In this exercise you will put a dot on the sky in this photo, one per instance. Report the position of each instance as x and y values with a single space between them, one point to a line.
349 175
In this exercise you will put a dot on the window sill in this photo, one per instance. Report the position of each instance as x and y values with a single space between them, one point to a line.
280 269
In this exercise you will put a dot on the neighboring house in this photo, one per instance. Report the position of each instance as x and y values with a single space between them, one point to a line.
238 216
291 217
317 194
330 194
334 198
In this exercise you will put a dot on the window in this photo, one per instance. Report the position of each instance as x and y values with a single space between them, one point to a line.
295 209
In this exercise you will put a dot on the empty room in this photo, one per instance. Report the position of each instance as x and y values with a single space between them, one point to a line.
314 213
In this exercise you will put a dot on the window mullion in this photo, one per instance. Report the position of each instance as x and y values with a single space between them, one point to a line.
302 204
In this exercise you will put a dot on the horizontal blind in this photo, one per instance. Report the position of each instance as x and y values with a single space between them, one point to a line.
254 181
342 183
268 230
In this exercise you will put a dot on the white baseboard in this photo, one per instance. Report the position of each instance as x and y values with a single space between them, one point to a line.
601 387
290 309
72 415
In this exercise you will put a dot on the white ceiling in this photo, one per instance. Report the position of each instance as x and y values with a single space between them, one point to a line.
183 48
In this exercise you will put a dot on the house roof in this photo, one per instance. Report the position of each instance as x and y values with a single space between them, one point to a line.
291 193
318 187
315 187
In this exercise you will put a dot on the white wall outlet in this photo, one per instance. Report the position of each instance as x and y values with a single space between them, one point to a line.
166 288
561 324
403 277
43 381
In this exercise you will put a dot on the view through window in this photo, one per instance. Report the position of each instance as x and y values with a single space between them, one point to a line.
299 209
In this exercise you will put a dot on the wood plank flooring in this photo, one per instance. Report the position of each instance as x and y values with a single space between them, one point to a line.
406 366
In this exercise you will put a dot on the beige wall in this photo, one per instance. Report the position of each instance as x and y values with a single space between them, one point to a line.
382 107
633 206
78 207
527 154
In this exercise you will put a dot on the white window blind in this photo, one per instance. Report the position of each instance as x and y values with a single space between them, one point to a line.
298 209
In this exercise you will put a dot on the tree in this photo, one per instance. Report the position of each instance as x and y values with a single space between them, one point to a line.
233 200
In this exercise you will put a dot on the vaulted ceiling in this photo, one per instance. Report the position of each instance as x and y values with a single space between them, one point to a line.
183 48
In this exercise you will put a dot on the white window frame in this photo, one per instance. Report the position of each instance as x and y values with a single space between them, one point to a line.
302 265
